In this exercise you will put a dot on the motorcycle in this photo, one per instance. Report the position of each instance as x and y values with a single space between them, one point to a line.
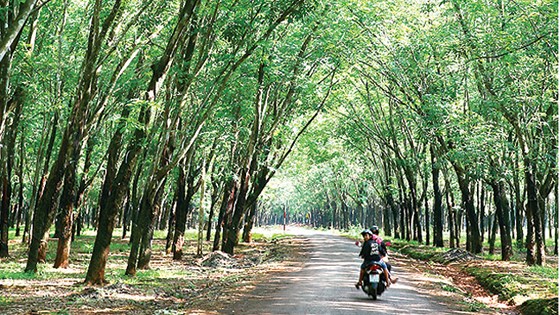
374 282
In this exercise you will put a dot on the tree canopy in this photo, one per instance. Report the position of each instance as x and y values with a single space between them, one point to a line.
425 117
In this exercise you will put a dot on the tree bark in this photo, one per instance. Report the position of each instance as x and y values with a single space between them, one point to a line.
493 227
502 210
186 188
530 209
249 222
11 33
226 205
213 203
468 202
111 200
438 209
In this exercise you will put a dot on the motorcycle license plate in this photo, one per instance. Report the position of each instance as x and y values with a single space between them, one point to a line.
374 278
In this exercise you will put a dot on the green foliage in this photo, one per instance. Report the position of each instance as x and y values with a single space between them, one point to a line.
540 307
449 288
5 301
474 306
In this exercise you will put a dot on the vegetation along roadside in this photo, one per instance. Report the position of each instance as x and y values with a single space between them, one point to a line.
532 289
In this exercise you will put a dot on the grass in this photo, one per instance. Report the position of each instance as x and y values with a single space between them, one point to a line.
540 307
449 288
474 306
544 271
4 301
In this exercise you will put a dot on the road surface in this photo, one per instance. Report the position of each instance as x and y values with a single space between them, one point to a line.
325 285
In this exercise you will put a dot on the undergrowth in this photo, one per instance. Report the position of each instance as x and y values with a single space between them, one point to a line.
534 288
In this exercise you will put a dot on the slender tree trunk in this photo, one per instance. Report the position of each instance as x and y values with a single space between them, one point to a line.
201 210
540 231
518 204
67 202
426 210
402 208
438 210
468 202
226 205
20 206
249 222
181 212
9 148
12 30
555 214
111 200
493 226
126 213
153 209
47 205
140 223
214 196
171 224
502 210
451 222
238 213
531 208
186 189
481 209
417 227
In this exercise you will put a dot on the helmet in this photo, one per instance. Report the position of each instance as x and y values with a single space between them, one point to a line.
374 229
366 231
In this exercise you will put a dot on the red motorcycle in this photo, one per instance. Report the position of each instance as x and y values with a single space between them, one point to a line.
374 282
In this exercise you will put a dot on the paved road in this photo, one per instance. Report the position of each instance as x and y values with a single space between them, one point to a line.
326 286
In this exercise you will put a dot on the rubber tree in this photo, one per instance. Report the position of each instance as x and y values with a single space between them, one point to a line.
63 170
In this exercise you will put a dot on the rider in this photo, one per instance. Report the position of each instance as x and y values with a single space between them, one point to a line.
383 251
370 254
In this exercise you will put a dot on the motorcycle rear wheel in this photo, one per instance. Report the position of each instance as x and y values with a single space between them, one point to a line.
373 293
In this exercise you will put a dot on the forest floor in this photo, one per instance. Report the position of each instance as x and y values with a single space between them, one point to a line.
194 285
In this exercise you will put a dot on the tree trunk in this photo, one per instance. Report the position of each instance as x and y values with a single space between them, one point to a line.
186 189
402 208
181 212
475 245
540 231
47 205
531 208
492 239
518 204
9 147
12 31
213 203
555 214
481 209
249 222
226 205
502 210
171 225
111 200
20 206
438 210
417 227
238 213
140 223
153 209
67 202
